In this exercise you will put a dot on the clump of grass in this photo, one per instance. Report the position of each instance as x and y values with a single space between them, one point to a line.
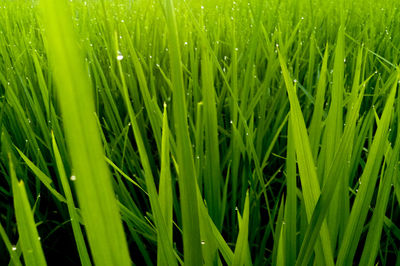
221 132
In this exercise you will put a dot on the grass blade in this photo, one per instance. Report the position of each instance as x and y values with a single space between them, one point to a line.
242 244
76 227
11 250
165 190
29 237
43 177
360 208
93 179
187 175
305 161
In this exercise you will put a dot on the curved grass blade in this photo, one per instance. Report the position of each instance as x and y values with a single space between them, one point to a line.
11 250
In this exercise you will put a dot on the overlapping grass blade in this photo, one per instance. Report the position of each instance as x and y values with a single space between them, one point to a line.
11 250
76 227
315 129
187 175
305 161
29 237
360 207
373 240
167 252
332 135
212 175
240 256
330 186
42 176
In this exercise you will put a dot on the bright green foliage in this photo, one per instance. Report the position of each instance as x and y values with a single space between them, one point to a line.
211 132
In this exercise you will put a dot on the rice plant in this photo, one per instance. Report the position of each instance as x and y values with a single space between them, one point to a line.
210 132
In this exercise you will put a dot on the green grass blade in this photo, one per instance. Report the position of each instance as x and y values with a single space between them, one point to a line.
372 243
29 237
187 175
212 175
333 133
165 190
242 243
328 190
43 177
360 207
93 180
305 161
76 227
291 201
315 128
11 250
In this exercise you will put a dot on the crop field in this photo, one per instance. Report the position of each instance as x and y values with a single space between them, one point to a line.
209 132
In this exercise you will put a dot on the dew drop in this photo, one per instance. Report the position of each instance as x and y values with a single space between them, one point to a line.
13 248
120 56
203 242
73 177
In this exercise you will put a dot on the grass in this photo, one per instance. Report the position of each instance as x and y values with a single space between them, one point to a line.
199 132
